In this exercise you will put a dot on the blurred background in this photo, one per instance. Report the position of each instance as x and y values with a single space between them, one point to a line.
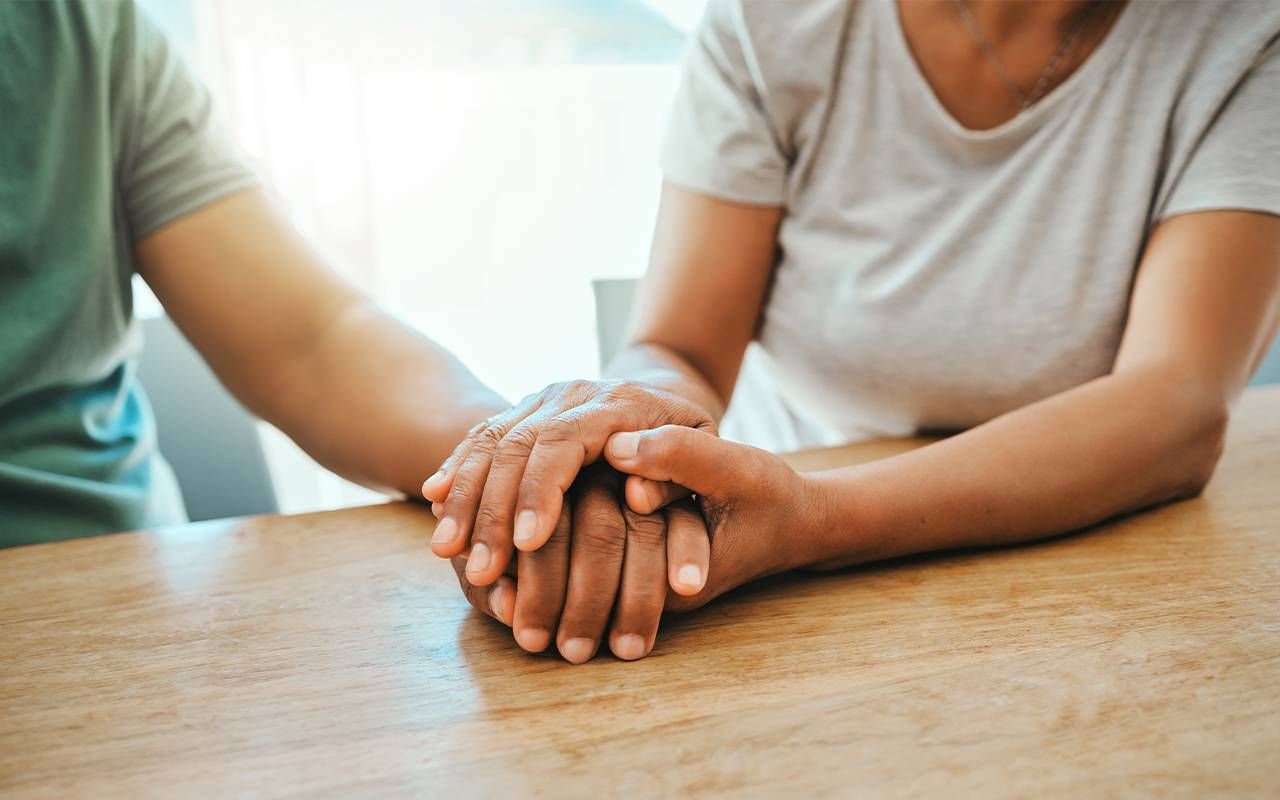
472 164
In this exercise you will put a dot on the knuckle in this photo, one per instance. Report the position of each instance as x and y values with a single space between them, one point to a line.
599 519
465 490
602 537
518 441
488 519
490 437
561 429
647 530
619 391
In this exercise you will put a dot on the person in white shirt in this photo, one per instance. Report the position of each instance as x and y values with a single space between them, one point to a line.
1049 227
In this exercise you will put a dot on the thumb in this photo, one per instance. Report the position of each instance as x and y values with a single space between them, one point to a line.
691 458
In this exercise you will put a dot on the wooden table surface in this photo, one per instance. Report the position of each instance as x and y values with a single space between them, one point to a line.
331 655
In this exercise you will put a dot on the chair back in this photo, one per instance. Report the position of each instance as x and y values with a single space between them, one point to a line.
208 438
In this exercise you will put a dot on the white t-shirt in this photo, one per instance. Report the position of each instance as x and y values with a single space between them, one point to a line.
933 276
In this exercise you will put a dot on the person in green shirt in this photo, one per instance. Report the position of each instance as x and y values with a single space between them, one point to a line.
111 165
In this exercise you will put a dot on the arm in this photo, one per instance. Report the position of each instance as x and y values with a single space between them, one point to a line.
363 394
700 303
1204 308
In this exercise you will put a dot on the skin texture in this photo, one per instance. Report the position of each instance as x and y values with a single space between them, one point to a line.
610 581
611 551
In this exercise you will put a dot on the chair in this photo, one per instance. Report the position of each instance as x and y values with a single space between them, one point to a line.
614 298
208 438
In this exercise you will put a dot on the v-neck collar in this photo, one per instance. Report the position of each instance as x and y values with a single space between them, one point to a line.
888 24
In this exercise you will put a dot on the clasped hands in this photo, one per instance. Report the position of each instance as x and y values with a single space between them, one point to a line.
570 515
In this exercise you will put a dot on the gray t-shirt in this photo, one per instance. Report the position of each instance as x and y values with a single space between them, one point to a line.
933 276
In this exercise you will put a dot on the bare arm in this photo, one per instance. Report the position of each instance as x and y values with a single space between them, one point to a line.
700 302
363 394
1203 311
1205 306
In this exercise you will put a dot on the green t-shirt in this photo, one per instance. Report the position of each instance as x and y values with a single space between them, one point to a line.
104 138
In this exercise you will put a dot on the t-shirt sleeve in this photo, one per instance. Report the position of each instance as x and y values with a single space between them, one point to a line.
175 157
720 140
1236 165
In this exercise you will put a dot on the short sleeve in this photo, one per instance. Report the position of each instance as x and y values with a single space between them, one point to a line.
720 140
1236 165
175 158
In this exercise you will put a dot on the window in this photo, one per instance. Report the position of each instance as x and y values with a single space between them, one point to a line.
473 164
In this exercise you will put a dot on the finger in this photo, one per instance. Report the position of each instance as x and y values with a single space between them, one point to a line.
466 486
646 497
688 549
690 458
436 487
496 601
577 437
595 564
643 589
495 528
541 590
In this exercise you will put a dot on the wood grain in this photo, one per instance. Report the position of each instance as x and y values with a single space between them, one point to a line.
331 655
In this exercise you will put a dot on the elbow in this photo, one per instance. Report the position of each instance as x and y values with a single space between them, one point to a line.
1201 449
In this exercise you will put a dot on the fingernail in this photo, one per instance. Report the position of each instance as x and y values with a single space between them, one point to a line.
526 526
535 640
496 601
624 445
628 647
577 651
446 531
432 483
437 509
479 560
690 575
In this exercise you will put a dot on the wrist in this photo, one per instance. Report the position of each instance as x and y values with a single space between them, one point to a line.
835 528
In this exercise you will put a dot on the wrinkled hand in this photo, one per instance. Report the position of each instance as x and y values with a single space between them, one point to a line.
600 551
503 486
763 517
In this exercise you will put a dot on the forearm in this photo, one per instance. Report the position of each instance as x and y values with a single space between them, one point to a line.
1116 444
376 402
664 368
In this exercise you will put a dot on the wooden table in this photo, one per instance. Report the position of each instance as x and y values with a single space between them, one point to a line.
330 654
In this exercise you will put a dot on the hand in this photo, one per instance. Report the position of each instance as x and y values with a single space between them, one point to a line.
504 484
598 549
763 517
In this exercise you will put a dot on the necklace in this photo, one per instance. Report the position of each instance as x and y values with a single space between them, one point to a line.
1024 99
